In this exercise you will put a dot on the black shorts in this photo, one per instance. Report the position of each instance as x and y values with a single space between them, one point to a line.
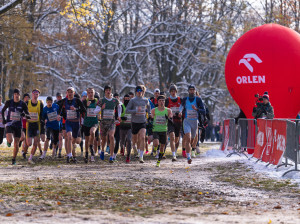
136 127
54 133
97 133
24 130
86 130
16 131
161 136
33 129
63 126
175 128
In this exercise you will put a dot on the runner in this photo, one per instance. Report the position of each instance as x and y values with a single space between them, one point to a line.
97 134
71 108
117 131
52 125
83 98
33 125
174 102
160 115
62 131
26 97
125 129
90 124
2 126
108 105
154 98
191 106
137 108
131 95
16 109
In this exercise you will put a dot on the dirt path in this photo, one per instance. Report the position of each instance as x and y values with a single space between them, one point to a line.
211 190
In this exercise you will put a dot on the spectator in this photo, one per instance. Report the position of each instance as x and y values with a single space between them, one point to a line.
264 110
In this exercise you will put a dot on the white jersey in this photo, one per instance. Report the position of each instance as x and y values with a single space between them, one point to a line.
5 114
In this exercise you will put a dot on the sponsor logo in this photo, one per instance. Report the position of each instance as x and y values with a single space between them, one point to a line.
260 138
247 58
250 79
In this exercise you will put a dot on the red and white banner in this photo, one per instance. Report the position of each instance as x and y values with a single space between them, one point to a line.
279 141
261 139
267 152
224 146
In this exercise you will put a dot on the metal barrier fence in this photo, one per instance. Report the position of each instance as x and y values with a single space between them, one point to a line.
272 141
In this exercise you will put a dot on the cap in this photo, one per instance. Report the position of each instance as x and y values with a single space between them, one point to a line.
36 90
126 95
107 87
138 89
191 87
58 94
71 88
173 87
116 94
26 94
157 91
84 93
266 97
16 91
49 98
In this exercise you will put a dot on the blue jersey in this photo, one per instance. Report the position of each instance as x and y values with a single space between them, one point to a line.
50 114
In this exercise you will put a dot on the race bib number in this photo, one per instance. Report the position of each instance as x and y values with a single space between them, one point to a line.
140 111
15 116
91 112
52 116
108 114
192 114
34 116
128 116
160 120
175 110
71 114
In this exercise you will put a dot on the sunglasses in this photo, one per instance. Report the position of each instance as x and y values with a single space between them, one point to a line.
139 90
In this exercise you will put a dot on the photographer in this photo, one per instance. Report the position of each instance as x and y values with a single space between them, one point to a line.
263 109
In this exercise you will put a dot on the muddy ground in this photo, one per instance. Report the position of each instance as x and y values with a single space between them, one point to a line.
210 190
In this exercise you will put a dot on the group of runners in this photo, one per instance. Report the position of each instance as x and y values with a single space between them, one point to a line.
104 123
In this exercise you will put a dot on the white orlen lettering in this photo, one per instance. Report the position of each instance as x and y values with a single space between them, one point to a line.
254 78
250 79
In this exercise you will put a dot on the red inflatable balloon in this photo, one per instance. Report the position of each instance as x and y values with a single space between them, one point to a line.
266 58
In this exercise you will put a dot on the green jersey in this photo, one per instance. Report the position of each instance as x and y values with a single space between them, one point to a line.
160 122
108 113
90 118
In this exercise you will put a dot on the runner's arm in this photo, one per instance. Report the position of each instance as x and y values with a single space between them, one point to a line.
82 109
200 106
119 110
3 111
130 109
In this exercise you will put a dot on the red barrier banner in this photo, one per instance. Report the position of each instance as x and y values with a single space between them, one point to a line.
225 135
261 139
251 137
269 143
279 141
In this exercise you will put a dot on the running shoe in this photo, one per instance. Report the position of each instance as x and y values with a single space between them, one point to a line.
24 155
184 154
127 159
158 163
92 159
189 160
8 144
111 160
59 155
197 150
157 155
13 162
42 157
193 154
74 160
68 159
31 162
147 152
107 149
174 159
141 160
102 155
